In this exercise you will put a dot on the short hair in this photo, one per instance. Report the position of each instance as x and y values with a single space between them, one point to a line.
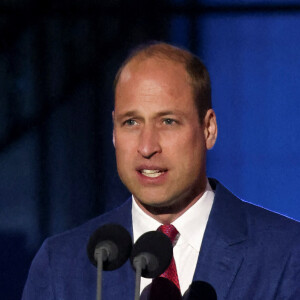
198 74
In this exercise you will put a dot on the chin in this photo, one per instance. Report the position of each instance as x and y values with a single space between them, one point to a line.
156 203
151 203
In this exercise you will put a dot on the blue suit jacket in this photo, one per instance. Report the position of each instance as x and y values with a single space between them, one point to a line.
247 253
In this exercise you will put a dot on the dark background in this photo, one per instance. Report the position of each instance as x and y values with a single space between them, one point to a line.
57 64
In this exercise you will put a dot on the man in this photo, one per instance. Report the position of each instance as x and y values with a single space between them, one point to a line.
163 126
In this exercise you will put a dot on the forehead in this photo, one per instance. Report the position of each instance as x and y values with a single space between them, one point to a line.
153 74
158 64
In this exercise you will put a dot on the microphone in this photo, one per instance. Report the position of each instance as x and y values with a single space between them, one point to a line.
200 290
150 256
108 248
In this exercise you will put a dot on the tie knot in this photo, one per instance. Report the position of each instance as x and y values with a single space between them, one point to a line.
169 230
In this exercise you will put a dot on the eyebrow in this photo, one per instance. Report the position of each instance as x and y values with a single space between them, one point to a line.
159 114
170 112
127 114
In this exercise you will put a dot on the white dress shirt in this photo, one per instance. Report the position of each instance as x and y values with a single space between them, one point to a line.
191 226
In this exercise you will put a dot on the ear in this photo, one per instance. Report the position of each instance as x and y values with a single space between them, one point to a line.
210 128
113 119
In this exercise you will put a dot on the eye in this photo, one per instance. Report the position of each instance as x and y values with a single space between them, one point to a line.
169 121
130 122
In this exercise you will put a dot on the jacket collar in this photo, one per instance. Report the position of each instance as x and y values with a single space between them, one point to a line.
222 250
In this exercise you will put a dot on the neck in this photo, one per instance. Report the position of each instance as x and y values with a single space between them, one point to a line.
168 214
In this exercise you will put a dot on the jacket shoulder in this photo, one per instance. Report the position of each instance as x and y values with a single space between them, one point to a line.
79 236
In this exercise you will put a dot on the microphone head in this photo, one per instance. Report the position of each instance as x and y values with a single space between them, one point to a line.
200 290
116 240
161 288
157 249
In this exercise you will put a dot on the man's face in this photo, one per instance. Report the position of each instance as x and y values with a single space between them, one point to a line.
159 141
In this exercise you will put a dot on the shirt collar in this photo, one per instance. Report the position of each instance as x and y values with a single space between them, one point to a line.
141 222
191 225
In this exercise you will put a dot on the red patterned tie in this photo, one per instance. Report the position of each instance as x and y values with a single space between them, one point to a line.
171 272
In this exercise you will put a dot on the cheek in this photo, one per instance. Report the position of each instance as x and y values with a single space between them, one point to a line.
125 150
188 152
122 141
190 142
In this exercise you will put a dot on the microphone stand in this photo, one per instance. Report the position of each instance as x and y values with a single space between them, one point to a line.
101 255
139 263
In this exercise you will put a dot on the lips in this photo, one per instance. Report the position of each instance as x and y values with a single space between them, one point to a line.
151 172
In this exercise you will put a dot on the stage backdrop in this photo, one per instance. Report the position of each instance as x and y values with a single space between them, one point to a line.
57 64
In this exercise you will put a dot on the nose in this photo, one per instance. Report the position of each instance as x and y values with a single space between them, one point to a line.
148 142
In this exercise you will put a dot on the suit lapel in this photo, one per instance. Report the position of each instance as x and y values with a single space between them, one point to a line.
222 250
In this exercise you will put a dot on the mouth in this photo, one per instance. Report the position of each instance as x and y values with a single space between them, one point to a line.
152 173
